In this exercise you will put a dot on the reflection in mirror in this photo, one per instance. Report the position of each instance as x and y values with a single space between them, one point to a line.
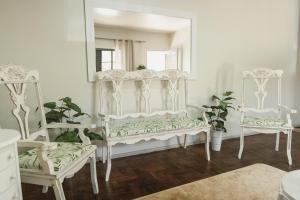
131 40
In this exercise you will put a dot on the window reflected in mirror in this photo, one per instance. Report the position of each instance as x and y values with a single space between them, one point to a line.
132 40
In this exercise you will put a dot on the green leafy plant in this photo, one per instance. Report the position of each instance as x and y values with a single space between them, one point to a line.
140 67
217 114
67 111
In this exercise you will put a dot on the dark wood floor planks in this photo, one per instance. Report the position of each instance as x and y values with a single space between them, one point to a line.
140 175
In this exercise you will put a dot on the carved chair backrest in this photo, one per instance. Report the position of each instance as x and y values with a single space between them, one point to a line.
16 79
172 79
261 77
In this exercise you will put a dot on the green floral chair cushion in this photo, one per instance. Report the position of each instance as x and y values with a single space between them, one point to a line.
154 126
64 154
264 122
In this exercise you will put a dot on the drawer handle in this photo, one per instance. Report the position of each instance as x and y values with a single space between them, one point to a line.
12 178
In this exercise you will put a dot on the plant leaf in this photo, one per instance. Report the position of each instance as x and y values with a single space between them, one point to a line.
227 93
214 97
228 98
79 114
66 100
74 107
50 105
72 122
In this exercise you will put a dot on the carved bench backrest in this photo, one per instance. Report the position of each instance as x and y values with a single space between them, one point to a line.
16 78
261 77
171 78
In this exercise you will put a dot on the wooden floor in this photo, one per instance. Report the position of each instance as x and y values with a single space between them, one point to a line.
140 175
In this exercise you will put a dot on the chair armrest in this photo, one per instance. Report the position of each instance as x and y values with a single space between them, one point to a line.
80 127
37 144
42 153
287 109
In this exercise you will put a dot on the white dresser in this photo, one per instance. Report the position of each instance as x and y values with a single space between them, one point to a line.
10 183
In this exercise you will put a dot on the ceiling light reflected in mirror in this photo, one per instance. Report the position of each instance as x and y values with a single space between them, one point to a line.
106 12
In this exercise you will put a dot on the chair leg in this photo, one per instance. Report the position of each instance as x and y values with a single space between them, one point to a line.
58 190
241 143
185 140
108 169
94 174
289 146
45 189
103 152
277 141
207 145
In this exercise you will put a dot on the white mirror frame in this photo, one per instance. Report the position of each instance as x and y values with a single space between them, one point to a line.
90 32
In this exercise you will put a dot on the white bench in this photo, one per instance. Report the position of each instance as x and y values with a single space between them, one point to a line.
137 87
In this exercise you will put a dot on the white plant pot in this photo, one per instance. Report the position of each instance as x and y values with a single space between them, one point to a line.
216 140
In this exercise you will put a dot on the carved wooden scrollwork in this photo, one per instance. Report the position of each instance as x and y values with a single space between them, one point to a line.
15 78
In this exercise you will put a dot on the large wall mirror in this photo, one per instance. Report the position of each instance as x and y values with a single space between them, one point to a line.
131 37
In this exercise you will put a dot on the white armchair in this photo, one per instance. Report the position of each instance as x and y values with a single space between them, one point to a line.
256 119
45 163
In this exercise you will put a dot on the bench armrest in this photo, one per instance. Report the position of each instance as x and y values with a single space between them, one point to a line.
202 111
42 153
287 109
288 112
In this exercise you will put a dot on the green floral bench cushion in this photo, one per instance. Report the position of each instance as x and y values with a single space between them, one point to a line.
64 154
154 126
264 122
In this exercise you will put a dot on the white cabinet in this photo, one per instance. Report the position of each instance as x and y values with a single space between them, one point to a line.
10 183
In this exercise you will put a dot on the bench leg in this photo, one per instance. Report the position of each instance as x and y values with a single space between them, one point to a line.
207 145
289 147
45 189
103 152
185 140
277 141
108 169
241 143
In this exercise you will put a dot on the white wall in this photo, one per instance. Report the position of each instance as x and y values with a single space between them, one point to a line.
232 36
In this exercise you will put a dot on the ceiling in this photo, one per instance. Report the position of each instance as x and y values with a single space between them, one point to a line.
140 21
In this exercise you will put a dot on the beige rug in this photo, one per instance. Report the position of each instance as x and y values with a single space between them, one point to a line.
257 181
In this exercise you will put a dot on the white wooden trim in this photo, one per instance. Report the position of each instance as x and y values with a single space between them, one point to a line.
90 32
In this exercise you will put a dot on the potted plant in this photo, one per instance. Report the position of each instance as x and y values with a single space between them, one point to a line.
141 67
217 114
67 111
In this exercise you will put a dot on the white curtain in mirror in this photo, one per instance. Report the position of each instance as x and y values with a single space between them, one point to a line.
129 54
